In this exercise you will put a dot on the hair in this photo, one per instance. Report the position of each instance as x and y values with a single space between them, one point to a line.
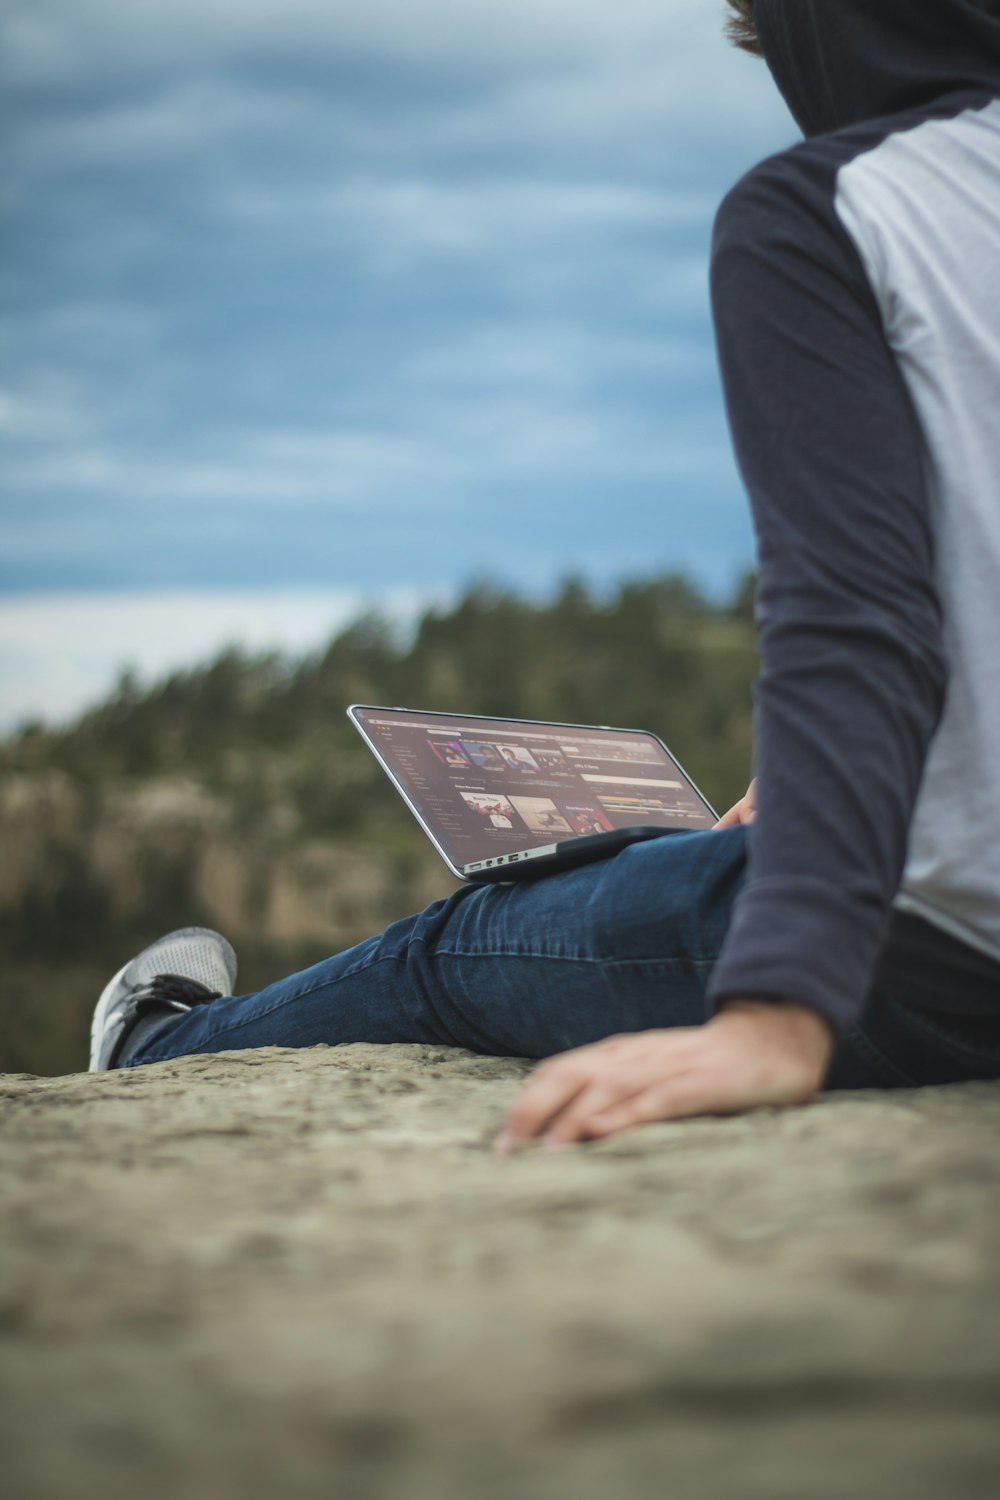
741 28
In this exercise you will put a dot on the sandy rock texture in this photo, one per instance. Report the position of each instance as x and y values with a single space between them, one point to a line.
277 1274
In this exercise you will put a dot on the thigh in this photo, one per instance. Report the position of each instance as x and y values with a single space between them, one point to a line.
624 944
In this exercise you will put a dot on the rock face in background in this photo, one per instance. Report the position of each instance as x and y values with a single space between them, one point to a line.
301 1274
128 846
90 874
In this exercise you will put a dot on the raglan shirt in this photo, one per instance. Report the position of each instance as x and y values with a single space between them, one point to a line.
856 297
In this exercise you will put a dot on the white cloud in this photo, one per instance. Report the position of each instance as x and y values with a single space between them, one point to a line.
633 108
59 654
509 401
550 358
400 221
341 470
44 38
622 83
48 410
21 417
185 118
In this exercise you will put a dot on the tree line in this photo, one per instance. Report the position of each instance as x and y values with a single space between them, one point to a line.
655 654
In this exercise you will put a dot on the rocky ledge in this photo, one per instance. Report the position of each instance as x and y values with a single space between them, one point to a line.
282 1275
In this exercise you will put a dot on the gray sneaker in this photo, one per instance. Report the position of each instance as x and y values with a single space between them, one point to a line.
186 968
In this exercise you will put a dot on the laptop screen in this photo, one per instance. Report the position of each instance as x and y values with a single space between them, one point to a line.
486 787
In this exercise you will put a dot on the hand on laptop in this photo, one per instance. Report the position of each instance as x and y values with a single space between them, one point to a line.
753 1052
743 811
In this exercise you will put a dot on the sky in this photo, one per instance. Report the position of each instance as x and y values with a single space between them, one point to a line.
309 305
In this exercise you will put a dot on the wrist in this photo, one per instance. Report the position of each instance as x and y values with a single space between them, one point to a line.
789 1023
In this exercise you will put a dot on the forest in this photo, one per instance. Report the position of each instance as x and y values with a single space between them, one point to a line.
236 793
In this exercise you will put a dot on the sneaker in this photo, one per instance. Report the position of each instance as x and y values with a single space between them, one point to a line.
186 968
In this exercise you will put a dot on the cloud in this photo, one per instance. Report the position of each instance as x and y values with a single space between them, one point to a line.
27 417
548 358
500 408
337 469
48 39
59 654
110 81
175 121
398 222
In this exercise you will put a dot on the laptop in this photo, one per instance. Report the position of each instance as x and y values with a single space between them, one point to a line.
509 799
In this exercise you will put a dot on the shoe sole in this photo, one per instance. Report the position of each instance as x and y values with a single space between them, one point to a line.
97 1024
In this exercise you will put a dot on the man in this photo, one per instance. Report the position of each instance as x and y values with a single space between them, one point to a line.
842 925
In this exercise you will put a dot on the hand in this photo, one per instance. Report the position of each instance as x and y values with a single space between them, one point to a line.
753 1052
744 811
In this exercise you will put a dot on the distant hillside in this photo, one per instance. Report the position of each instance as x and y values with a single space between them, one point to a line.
237 793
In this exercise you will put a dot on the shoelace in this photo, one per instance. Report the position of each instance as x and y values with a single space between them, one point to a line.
172 992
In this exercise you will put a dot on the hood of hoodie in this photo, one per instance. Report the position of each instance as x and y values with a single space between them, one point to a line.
839 62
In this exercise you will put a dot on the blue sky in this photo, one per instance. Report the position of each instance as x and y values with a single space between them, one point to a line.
311 304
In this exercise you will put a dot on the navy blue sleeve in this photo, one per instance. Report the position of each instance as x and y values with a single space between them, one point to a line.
852 674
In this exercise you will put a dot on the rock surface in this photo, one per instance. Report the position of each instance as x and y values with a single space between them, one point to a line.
125 848
275 1274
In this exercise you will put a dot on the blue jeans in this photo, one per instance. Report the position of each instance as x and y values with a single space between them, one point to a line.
526 970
